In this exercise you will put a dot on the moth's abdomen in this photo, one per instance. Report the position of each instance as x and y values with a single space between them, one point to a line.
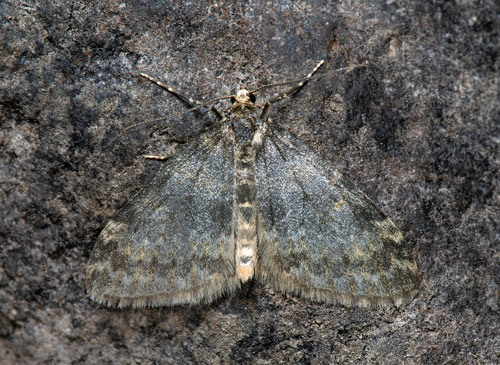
245 212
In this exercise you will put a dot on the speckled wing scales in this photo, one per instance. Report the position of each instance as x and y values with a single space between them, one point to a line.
173 243
320 237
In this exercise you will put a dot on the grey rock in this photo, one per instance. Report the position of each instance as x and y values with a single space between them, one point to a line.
418 130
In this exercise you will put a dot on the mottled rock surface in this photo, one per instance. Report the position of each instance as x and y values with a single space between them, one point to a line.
418 129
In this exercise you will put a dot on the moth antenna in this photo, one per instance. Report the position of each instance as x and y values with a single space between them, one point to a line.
300 82
195 104
298 86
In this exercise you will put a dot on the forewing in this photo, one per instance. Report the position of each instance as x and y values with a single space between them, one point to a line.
173 243
320 237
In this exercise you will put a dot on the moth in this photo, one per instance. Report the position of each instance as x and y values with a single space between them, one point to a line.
248 199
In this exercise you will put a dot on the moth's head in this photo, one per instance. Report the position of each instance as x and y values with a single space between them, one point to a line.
244 99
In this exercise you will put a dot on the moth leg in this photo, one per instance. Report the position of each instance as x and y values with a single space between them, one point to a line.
260 132
158 158
189 101
286 94
216 113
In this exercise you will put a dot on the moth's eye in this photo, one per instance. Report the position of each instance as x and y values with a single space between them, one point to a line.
233 100
252 98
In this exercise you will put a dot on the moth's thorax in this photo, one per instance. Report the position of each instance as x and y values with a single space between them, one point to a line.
243 126
243 120
245 211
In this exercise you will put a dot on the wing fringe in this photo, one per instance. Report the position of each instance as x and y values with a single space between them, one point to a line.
203 294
